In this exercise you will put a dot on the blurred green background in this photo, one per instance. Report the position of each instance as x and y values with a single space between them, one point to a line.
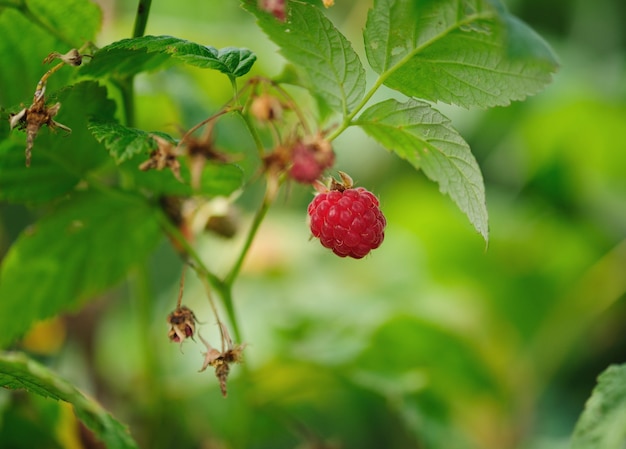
433 341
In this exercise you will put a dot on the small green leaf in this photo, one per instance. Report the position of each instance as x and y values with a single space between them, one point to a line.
311 42
469 53
19 372
122 142
59 159
424 137
601 426
131 56
85 247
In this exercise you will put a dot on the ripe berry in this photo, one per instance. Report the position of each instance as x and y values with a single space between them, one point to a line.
348 221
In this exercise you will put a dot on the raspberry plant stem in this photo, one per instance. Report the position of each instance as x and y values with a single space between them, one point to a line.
141 19
254 227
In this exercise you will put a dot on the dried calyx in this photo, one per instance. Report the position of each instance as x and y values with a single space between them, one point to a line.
183 324
31 119
221 360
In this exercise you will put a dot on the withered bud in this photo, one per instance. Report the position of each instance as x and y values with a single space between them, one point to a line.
221 361
72 57
266 108
183 324
164 156
328 3
32 119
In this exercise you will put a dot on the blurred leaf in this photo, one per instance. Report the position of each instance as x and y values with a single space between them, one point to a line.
85 247
75 22
601 426
131 56
59 159
414 354
217 179
469 53
122 142
424 137
311 42
19 372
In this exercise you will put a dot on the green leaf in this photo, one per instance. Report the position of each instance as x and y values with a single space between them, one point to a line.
85 247
122 142
311 42
601 426
19 372
59 160
469 53
131 56
29 36
424 137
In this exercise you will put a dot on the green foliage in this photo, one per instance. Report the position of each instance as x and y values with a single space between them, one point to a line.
310 41
431 342
122 142
71 256
131 56
602 423
19 372
465 53
425 138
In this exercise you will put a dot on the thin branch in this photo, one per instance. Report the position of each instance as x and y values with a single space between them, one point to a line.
141 19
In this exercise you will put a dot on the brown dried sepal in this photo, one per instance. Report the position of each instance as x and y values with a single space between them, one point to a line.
72 57
201 151
33 118
163 157
266 108
221 361
183 324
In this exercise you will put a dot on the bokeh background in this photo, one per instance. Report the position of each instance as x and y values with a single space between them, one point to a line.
433 341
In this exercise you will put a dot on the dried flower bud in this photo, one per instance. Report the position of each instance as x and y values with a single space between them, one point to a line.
328 3
183 324
33 118
221 361
72 57
164 156
266 108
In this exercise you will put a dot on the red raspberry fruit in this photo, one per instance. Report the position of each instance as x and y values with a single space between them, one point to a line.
347 221
310 160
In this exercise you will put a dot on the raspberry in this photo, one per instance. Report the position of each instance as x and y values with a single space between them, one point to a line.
310 159
348 221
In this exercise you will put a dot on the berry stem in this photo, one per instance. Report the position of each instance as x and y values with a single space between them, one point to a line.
254 227
191 255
